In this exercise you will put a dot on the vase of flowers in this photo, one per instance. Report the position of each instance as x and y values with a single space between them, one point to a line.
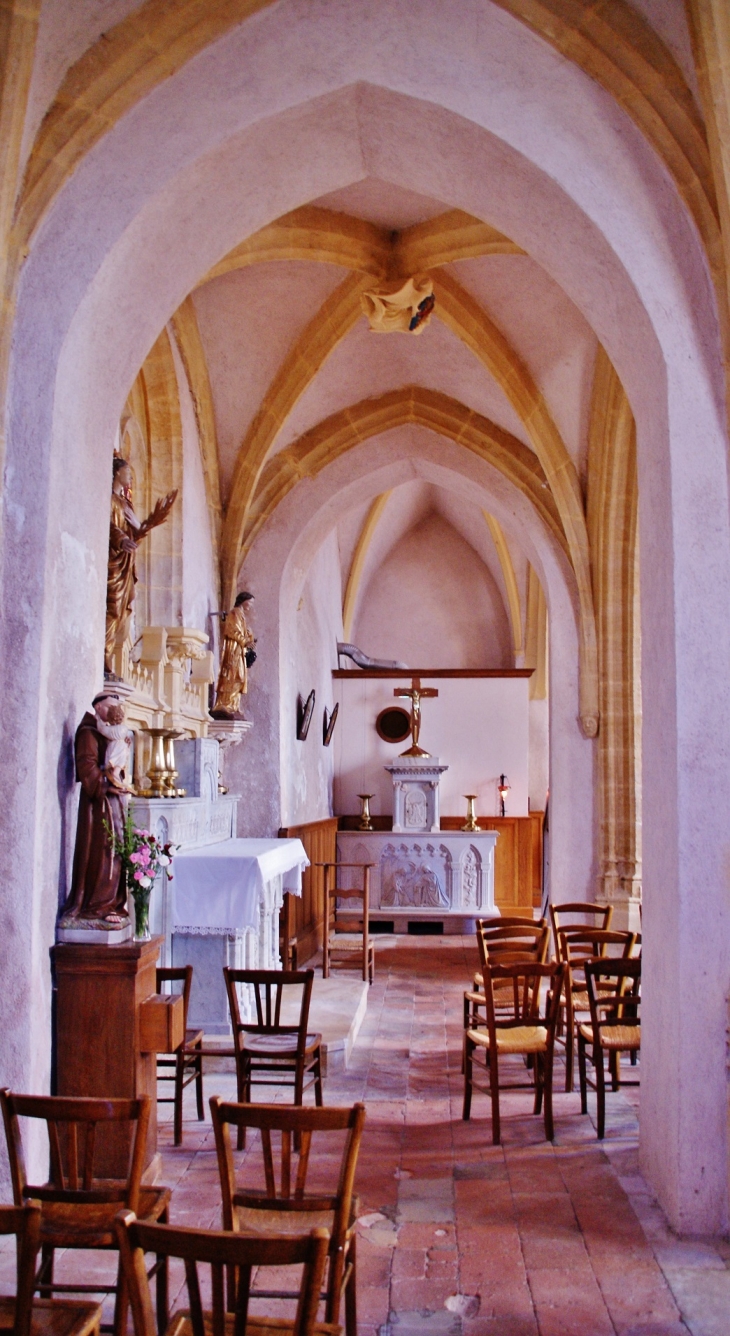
143 858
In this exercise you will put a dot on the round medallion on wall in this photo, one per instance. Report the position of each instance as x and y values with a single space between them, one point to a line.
393 724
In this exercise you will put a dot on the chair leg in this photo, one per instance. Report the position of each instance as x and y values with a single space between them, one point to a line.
44 1281
317 1072
494 1096
199 1087
582 1073
468 1063
243 1083
569 1044
178 1104
539 1082
600 1090
121 1303
351 1290
547 1081
614 1062
163 1288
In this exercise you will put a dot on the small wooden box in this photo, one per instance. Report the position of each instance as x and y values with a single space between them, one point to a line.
161 1027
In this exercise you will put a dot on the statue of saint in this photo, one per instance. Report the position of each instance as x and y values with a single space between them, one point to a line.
98 895
125 532
237 655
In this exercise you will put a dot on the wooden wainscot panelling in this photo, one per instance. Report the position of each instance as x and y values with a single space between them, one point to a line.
517 858
302 918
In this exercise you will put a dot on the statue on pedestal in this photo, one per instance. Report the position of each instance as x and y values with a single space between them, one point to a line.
125 532
98 894
237 655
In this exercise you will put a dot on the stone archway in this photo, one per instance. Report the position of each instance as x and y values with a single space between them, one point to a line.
579 189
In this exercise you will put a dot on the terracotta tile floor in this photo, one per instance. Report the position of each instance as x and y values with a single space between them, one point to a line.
461 1238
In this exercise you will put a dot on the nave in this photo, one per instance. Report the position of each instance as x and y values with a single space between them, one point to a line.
524 1239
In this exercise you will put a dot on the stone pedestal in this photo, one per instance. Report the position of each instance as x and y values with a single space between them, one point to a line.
416 793
100 992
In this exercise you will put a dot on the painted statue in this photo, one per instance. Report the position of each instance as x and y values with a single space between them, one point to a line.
237 655
125 533
97 897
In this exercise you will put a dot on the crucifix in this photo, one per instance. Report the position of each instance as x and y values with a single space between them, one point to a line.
415 693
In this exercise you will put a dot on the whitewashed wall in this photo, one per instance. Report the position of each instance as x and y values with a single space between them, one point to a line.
478 726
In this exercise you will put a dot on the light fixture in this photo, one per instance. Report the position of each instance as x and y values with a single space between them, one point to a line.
503 789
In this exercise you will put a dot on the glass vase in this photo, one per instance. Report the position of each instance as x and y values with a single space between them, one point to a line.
141 899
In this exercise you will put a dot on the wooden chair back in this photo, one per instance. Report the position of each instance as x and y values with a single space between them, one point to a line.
578 914
525 978
502 942
297 1124
354 917
182 975
614 993
578 945
219 1250
72 1135
25 1223
267 990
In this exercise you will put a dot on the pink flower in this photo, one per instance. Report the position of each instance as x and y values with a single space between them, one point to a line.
136 857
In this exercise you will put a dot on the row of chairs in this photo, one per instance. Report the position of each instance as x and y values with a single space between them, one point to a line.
520 1004
78 1209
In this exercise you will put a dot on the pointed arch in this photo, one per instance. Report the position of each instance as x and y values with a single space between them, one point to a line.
332 437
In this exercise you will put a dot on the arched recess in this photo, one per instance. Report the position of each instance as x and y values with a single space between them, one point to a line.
579 189
445 238
613 519
413 403
269 775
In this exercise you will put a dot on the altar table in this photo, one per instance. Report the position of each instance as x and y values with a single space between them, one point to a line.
442 878
226 900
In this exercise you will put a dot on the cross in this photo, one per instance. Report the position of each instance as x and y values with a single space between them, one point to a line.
416 694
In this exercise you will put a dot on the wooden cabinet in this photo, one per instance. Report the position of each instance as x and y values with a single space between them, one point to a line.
101 1045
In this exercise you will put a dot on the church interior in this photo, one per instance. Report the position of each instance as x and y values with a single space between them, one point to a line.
364 574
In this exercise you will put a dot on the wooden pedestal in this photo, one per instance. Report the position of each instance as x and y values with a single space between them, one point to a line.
100 1030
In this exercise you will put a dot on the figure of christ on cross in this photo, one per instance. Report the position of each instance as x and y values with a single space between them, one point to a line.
416 693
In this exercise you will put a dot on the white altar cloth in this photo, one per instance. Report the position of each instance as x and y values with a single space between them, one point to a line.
218 888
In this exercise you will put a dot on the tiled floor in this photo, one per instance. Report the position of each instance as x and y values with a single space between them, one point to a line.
460 1238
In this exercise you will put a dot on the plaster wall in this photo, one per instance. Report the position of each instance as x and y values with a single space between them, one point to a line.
307 767
310 99
547 331
434 603
539 754
248 320
478 726
365 364
199 579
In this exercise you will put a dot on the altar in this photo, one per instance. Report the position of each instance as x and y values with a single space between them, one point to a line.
224 906
443 878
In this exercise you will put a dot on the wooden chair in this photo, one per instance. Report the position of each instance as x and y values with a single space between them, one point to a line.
221 1250
187 1061
347 943
19 1315
268 1052
576 946
524 1032
77 1206
614 999
578 914
503 941
292 1208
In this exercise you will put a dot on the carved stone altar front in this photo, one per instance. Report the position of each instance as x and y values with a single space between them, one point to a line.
441 875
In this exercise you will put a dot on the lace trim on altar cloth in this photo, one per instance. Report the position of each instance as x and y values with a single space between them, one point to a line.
186 931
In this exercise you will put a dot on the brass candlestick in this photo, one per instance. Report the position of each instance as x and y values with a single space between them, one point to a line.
157 768
171 791
365 820
471 822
